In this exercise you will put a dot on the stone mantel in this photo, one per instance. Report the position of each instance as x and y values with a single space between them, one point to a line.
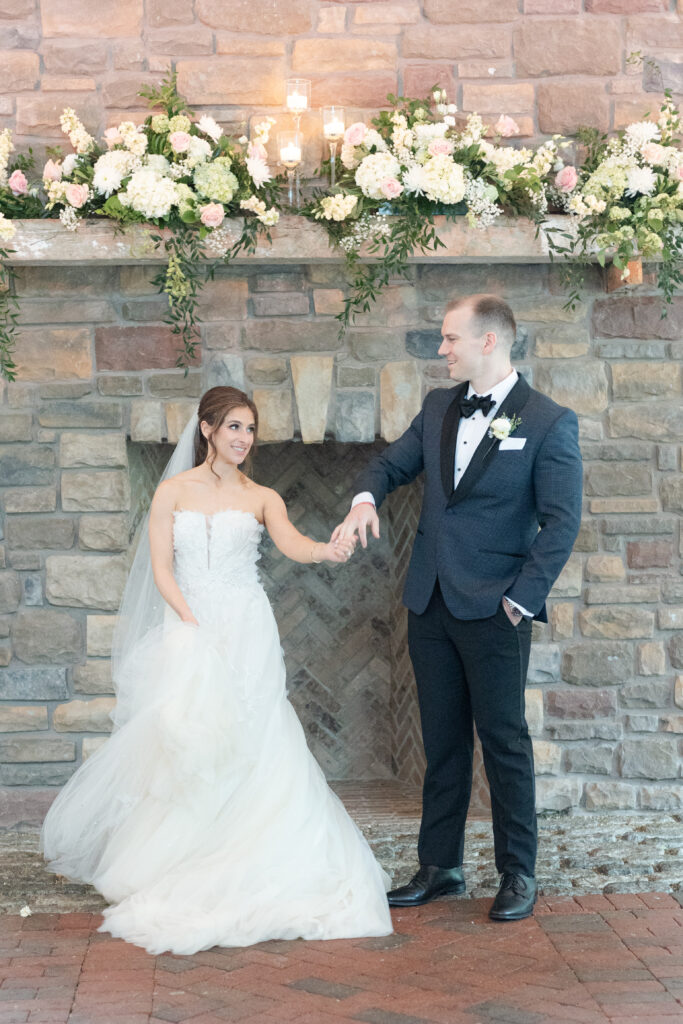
294 240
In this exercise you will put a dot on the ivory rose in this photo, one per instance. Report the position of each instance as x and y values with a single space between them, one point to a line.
211 215
76 195
506 126
391 188
355 134
180 141
18 183
566 179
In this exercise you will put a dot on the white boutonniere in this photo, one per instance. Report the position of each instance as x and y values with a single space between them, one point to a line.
503 426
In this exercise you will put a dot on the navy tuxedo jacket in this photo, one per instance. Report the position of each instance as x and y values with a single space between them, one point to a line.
510 525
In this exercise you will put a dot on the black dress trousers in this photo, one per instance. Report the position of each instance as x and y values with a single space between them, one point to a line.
474 670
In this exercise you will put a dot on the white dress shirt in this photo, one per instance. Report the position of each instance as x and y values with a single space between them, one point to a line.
471 431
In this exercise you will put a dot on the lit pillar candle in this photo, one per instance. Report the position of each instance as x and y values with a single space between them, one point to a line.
334 129
297 103
290 154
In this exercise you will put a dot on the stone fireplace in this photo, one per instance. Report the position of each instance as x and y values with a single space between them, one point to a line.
84 432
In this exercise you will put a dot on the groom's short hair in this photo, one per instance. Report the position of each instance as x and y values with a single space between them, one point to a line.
489 313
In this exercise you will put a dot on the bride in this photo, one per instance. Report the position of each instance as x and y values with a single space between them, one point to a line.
204 819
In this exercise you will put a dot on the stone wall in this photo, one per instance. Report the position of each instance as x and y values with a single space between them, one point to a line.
552 64
605 695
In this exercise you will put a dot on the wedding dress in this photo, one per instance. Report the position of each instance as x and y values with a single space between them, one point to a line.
204 818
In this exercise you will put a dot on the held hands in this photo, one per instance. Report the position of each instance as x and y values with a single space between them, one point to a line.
356 524
335 550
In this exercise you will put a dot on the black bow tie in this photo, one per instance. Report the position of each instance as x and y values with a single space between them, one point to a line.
468 406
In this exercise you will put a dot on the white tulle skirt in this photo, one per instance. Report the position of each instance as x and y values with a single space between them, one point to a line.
204 819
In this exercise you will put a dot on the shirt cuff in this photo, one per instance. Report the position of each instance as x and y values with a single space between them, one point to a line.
519 607
360 498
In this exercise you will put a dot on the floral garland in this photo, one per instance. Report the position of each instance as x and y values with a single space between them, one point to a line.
17 199
625 202
415 163
171 172
412 163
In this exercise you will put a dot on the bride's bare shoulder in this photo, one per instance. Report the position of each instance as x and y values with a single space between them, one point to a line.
170 492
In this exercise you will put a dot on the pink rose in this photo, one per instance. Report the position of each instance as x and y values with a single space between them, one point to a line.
440 147
76 195
113 138
52 171
212 215
679 173
566 179
391 188
355 134
180 141
258 150
18 183
506 126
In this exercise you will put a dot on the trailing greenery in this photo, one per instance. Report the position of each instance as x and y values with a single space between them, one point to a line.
9 316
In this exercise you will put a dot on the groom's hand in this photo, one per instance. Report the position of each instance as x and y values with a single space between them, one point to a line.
357 522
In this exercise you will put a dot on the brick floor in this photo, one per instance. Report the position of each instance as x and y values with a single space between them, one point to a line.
592 959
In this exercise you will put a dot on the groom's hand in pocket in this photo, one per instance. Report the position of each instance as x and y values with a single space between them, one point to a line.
357 522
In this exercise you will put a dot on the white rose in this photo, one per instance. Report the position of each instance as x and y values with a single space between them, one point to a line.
500 428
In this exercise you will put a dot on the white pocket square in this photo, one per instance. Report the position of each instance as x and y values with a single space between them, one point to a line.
512 444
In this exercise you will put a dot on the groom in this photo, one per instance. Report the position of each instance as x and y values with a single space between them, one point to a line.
501 511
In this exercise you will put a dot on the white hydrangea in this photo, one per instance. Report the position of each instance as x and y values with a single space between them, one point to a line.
426 133
150 194
374 170
641 181
110 170
373 138
503 158
156 161
199 151
7 229
444 180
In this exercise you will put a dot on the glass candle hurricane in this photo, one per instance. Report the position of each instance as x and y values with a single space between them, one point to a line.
333 130
298 97
290 149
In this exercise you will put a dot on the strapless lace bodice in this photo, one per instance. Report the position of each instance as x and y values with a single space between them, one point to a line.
215 553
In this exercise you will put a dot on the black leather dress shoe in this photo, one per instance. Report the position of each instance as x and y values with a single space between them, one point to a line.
428 884
515 898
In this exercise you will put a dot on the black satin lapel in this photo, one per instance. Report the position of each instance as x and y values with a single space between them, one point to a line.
449 433
488 446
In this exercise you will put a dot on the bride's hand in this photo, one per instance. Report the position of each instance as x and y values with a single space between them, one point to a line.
337 550
190 621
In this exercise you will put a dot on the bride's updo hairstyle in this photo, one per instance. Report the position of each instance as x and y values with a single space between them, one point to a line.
215 405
